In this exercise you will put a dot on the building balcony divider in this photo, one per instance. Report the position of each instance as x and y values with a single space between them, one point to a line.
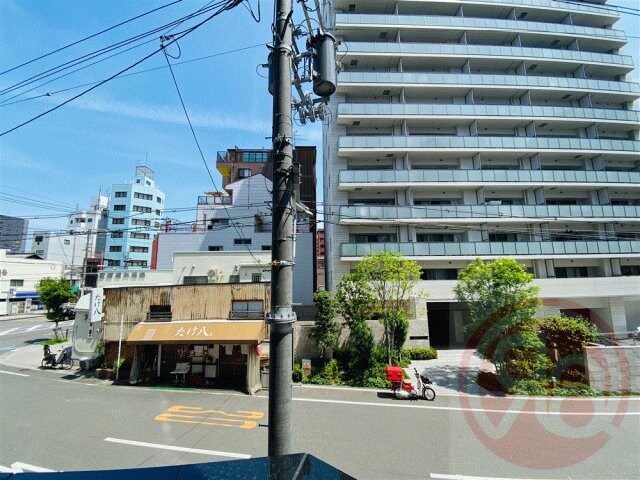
462 81
473 249
479 144
407 111
416 213
374 21
485 52
404 177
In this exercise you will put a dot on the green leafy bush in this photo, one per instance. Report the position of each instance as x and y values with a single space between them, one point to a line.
429 353
297 372
547 388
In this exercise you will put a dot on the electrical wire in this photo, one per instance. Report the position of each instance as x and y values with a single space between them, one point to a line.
228 5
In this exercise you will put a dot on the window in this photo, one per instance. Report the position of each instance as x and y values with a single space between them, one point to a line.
256 277
143 196
117 234
40 252
119 208
140 236
266 247
244 172
67 242
630 270
140 208
80 220
112 263
242 241
121 194
159 313
139 249
16 283
158 212
137 263
215 248
196 280
247 309
158 199
439 274
503 237
115 248
375 238
38 238
89 220
572 272
436 237
136 221
117 221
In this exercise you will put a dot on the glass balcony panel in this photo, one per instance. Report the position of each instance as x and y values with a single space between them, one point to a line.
547 247
483 248
463 248
437 248
405 249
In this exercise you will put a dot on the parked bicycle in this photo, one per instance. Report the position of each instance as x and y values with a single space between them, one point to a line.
61 359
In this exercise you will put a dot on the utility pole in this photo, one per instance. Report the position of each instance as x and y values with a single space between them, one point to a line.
282 316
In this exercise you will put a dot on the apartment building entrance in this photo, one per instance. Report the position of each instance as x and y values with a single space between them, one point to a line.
439 314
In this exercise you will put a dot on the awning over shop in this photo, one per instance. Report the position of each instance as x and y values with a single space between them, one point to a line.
198 331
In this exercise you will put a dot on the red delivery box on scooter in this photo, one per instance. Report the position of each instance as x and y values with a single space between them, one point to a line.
394 374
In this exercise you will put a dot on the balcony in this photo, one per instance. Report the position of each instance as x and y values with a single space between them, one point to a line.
347 112
352 146
353 82
472 250
351 179
487 53
214 200
415 215
352 21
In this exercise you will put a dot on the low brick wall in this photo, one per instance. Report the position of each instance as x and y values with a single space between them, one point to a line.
613 369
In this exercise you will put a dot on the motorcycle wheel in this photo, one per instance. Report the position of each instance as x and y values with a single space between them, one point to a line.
397 392
44 363
428 393
67 363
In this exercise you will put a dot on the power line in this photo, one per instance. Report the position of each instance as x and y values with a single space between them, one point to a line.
174 38
89 37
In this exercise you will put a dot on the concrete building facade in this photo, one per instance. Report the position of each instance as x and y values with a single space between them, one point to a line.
135 217
13 233
477 128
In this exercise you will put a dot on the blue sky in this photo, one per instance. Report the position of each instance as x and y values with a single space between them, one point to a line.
69 155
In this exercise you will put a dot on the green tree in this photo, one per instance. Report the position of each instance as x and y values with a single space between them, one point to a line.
54 293
356 302
392 278
502 302
565 338
326 331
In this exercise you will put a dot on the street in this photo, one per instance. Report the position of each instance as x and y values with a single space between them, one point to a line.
62 420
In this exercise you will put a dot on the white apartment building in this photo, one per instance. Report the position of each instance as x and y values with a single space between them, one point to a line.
487 128
82 238
135 216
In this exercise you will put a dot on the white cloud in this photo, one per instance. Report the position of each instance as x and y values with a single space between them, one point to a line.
166 114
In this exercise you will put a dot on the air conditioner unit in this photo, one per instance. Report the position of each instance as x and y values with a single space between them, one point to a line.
214 274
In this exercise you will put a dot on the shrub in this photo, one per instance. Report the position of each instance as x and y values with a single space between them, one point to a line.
429 353
297 372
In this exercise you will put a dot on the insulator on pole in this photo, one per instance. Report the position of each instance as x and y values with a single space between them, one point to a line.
324 65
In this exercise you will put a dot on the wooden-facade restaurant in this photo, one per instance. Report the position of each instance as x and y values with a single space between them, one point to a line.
189 334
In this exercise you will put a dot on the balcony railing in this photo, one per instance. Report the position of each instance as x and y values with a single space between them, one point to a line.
484 51
478 144
212 200
344 20
403 110
450 80
404 177
473 249
393 214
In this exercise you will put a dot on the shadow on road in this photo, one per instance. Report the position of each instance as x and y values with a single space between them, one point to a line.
460 379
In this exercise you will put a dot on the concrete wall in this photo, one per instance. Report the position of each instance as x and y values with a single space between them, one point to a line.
614 369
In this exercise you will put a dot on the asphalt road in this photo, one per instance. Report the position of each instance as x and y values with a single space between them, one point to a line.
58 420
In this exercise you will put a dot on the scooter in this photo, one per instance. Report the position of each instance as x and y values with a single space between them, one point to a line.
51 360
403 389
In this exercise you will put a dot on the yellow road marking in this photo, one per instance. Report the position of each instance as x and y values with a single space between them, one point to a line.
196 415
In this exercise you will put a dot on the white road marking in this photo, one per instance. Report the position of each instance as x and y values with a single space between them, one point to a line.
19 467
444 476
6 332
177 449
14 373
461 409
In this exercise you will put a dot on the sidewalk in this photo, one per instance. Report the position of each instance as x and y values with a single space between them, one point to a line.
454 371
30 357
20 316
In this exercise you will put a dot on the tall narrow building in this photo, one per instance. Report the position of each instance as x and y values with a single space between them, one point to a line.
478 128
135 216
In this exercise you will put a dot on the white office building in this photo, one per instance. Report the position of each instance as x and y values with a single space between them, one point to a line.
487 128
135 217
